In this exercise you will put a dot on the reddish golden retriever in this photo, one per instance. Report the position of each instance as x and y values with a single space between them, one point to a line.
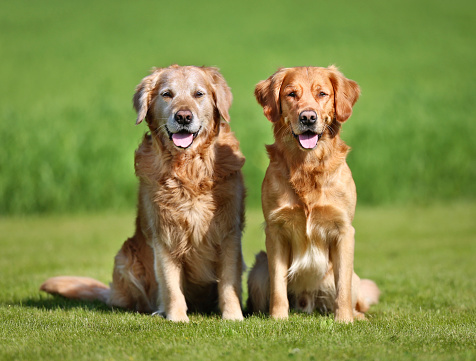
308 198
186 250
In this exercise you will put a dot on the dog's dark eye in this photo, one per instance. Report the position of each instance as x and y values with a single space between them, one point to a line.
199 94
322 94
166 94
292 95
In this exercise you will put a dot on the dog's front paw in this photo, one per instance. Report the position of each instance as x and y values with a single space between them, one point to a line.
279 313
233 316
279 308
344 316
174 317
178 316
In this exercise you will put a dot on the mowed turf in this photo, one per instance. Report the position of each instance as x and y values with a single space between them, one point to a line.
421 257
69 69
68 72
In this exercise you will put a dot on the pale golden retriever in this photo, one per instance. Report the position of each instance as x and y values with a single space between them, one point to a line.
186 250
308 198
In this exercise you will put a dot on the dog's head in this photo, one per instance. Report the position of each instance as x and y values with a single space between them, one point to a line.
307 102
183 105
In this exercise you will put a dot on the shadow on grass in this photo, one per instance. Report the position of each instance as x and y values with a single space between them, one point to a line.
61 303
57 302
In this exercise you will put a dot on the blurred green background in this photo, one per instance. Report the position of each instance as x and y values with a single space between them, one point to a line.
69 68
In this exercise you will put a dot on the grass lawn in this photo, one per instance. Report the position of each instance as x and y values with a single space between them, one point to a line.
69 70
423 259
66 127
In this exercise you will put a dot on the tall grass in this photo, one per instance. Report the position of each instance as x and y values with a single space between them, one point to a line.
69 70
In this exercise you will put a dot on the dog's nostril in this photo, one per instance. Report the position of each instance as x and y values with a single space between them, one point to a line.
308 117
184 116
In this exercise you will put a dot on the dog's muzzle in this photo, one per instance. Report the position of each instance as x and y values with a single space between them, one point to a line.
183 138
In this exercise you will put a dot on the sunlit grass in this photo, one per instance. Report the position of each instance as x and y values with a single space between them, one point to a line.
421 258
69 71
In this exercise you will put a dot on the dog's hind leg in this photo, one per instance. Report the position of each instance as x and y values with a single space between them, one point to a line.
258 285
133 283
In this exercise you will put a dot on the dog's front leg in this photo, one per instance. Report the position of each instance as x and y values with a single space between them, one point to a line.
230 269
342 257
278 265
169 276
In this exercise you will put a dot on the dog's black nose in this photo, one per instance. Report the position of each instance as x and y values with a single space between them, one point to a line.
308 117
183 117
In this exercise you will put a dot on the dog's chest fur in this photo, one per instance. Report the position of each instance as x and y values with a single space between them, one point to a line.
185 213
180 198
312 228
312 210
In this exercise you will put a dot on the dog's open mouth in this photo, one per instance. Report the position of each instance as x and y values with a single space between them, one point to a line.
183 139
308 140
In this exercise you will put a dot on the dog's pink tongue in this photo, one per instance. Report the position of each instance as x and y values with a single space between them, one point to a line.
182 140
308 140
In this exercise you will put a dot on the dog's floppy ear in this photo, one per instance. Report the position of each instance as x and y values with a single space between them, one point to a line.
221 92
143 94
267 95
346 93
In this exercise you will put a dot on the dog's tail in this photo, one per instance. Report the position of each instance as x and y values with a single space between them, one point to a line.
78 288
369 295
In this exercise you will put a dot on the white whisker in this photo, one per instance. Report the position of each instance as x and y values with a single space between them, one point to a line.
282 127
